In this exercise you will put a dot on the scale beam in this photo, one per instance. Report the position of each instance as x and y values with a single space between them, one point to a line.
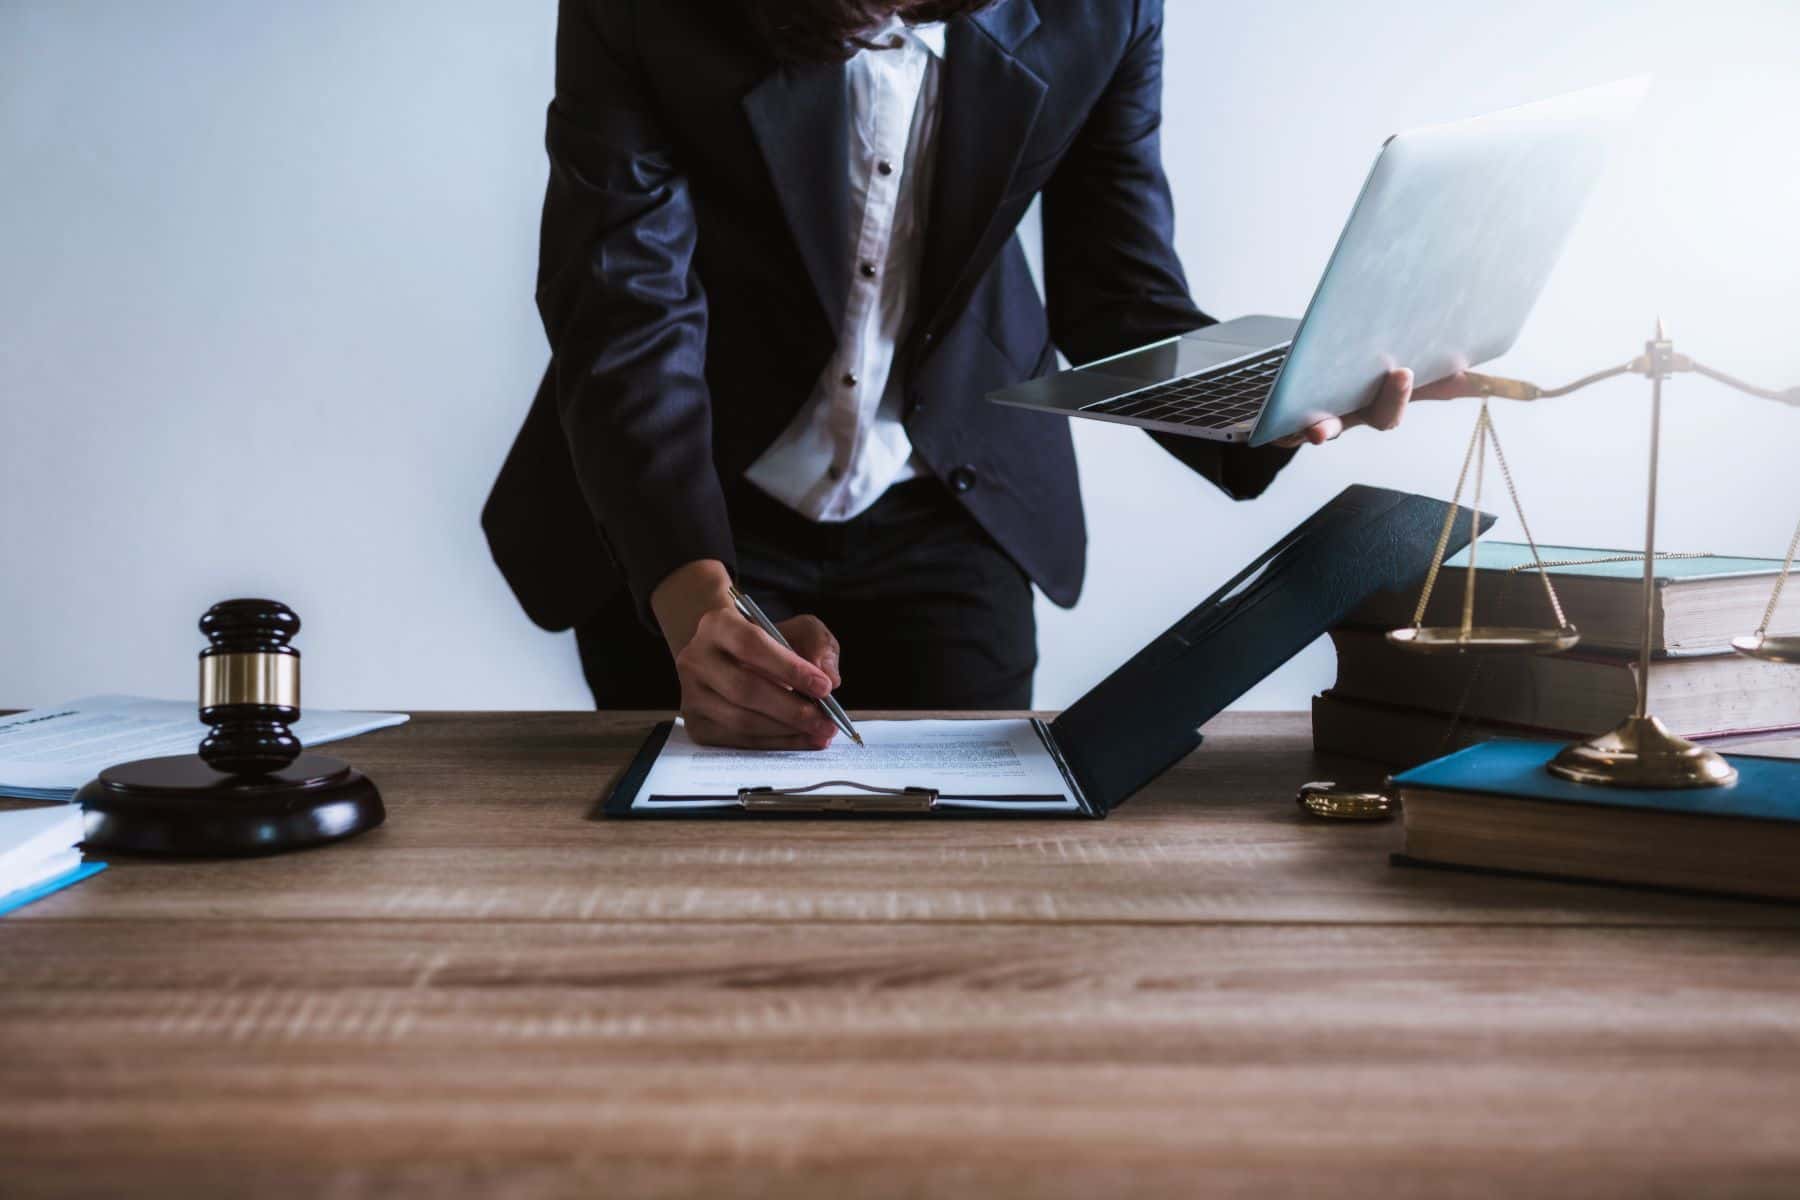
1641 752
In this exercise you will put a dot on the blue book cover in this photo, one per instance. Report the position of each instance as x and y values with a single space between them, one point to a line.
1767 789
1580 561
56 883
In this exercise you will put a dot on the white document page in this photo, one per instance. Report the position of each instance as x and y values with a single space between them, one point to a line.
38 842
48 753
968 762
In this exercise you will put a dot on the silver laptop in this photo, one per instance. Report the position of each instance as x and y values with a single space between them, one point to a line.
1450 242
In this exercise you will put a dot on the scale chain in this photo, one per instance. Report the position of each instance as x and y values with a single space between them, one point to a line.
1636 556
1443 541
1556 607
1483 424
1787 565
1476 456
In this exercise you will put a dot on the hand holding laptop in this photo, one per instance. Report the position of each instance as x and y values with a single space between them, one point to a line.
1388 410
1452 238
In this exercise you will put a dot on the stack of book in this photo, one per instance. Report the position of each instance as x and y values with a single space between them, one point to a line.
1400 708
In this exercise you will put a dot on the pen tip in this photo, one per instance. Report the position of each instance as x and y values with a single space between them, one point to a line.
857 738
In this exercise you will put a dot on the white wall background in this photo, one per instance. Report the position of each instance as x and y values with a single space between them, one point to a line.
266 322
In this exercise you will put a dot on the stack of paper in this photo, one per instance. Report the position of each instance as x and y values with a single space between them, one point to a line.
1004 764
49 753
40 851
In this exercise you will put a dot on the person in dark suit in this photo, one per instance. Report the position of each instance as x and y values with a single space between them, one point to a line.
778 273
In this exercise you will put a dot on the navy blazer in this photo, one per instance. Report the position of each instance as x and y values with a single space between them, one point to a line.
692 281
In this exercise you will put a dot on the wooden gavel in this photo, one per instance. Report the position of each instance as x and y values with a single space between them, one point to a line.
250 789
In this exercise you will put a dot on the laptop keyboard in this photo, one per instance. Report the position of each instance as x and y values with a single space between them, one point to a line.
1215 399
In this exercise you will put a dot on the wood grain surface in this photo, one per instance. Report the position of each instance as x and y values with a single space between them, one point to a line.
1206 995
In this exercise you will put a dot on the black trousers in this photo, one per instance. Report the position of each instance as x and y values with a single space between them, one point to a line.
929 611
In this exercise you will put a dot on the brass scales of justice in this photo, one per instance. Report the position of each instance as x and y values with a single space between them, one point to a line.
1641 752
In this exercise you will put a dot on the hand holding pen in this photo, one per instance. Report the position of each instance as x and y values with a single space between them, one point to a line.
739 686
827 703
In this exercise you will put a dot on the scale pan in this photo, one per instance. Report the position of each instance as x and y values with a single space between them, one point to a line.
1783 649
1484 639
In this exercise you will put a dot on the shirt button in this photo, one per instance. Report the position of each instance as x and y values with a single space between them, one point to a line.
962 479
884 167
849 379
867 270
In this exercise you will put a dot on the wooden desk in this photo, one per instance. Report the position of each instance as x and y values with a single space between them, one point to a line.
1206 995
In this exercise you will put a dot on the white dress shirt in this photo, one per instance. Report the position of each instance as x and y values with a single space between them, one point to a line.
847 445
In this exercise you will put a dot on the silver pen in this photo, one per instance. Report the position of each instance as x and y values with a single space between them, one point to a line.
755 615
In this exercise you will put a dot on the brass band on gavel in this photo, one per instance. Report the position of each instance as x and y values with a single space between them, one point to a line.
250 678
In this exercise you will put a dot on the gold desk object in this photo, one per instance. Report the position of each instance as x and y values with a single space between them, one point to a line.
1781 648
1468 637
852 797
1641 752
264 678
1769 647
1485 639
1327 800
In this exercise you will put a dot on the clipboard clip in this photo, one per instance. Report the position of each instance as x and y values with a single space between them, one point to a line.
813 798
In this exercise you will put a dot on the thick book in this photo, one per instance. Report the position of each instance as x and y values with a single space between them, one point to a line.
1702 601
1397 736
1494 807
1128 729
1577 692
40 851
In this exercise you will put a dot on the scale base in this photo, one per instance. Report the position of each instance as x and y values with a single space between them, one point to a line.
181 806
1642 753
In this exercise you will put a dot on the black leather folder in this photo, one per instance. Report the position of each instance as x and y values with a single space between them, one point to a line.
1146 716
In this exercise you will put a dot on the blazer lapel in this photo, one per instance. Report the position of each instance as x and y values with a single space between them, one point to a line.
800 116
990 103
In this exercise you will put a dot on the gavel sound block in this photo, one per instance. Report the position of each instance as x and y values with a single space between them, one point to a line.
250 789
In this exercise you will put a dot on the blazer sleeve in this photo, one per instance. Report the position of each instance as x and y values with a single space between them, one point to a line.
1112 278
623 308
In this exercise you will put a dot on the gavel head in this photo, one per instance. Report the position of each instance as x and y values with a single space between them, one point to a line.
249 686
